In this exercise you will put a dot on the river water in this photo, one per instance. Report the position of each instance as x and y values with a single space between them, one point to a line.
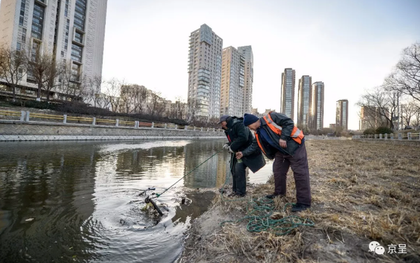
83 201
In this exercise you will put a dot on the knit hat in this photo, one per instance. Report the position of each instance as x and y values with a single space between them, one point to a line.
249 119
223 118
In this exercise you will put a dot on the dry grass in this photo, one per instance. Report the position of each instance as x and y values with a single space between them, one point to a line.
362 192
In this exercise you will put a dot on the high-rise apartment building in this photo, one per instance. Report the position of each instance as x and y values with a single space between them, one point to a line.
317 106
72 31
204 73
287 93
304 101
232 88
342 114
246 52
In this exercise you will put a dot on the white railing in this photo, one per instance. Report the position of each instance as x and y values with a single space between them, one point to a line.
410 136
26 116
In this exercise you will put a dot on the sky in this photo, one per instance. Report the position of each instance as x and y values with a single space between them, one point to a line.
349 45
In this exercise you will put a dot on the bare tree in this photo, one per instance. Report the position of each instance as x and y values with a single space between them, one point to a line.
97 86
102 101
42 69
141 96
192 109
134 98
181 109
416 121
155 106
92 90
173 110
113 91
64 79
408 111
12 67
406 78
52 74
171 113
72 83
127 98
381 106
368 116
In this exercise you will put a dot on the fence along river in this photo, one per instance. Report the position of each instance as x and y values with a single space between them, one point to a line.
25 125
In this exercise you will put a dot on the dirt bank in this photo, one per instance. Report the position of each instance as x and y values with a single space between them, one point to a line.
362 192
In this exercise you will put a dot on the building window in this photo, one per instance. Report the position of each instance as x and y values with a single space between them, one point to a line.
66 10
30 76
35 49
66 37
37 21
78 37
80 15
76 53
75 72
22 12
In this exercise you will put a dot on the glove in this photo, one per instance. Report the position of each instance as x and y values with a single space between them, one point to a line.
226 146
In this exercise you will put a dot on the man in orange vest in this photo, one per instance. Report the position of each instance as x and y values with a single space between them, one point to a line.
279 139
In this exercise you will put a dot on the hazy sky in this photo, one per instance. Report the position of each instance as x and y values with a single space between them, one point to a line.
349 45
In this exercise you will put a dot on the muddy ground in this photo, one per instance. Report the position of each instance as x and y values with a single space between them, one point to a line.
362 191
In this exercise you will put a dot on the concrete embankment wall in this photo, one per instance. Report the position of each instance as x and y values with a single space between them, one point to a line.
45 131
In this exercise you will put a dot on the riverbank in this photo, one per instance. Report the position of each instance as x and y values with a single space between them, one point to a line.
21 125
361 192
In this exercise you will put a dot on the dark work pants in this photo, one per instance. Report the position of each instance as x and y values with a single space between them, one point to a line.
239 177
299 164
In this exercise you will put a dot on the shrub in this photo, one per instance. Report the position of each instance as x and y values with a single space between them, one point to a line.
32 104
369 131
382 130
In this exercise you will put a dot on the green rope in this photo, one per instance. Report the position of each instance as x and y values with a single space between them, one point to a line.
195 168
259 211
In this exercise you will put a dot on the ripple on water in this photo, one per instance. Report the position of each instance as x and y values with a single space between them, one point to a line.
80 200
124 232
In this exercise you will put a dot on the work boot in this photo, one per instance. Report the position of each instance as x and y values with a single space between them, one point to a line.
241 195
300 207
273 195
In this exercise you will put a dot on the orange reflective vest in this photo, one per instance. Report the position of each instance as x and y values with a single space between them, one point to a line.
296 135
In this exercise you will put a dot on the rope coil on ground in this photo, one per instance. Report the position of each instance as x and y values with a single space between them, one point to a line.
259 212
259 217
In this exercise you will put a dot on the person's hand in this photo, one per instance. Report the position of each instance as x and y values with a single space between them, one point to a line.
239 155
226 146
283 143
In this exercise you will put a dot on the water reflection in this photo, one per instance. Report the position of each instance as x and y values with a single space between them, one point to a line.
45 193
79 201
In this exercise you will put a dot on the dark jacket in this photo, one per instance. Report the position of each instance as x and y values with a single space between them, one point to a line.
287 125
242 140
